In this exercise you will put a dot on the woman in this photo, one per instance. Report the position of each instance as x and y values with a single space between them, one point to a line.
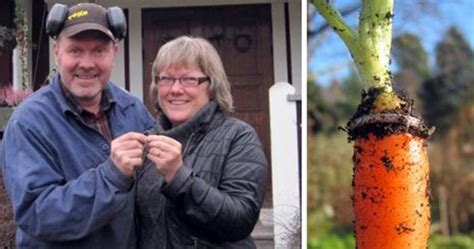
203 181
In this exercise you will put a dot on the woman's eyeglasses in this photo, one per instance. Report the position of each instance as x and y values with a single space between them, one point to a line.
184 81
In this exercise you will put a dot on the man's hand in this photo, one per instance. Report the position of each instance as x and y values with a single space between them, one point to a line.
127 152
165 152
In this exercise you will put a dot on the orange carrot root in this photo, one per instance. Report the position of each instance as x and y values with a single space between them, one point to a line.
391 192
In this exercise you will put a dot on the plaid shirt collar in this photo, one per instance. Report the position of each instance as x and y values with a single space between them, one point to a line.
97 121
106 102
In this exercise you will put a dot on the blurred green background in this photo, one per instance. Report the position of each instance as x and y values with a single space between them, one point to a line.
432 62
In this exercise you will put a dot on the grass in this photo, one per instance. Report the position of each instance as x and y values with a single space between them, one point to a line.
347 241
332 241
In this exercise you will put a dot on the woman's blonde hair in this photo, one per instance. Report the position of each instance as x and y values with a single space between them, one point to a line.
186 51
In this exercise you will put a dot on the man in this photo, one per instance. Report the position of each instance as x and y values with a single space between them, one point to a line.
70 151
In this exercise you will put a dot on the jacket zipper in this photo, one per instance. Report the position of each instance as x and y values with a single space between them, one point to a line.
195 242
186 147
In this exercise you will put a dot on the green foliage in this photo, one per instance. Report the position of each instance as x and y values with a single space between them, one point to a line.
315 96
331 107
453 53
446 94
352 89
410 55
332 241
329 183
455 242
412 61
346 241
316 106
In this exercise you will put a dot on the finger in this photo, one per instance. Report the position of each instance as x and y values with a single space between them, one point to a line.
161 148
130 145
135 163
151 138
126 164
133 136
164 139
156 145
134 153
155 159
168 140
166 147
126 145
122 156
156 152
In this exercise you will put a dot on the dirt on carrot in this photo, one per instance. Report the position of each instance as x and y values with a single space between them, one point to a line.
391 179
391 176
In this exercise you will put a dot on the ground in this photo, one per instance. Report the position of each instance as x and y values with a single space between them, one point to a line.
7 227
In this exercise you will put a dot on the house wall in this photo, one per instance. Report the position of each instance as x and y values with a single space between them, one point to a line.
280 56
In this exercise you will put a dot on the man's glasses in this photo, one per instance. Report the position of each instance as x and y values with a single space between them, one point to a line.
184 81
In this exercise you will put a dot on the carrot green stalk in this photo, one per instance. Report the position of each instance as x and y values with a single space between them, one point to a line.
370 46
391 200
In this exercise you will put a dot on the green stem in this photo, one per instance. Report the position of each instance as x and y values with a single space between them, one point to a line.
336 21
375 39
370 47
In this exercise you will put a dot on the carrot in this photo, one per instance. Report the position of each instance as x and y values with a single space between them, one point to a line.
391 200
391 197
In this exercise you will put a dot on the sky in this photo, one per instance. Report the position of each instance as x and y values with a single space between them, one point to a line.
332 53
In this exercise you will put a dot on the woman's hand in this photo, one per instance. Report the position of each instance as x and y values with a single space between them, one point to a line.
165 152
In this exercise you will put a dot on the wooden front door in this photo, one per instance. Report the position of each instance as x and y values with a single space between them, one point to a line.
242 36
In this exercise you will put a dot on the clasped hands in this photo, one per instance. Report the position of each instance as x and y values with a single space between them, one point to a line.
165 152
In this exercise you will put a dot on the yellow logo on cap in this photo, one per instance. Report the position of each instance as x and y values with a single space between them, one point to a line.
78 14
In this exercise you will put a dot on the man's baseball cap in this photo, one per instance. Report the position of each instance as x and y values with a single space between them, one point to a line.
86 16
